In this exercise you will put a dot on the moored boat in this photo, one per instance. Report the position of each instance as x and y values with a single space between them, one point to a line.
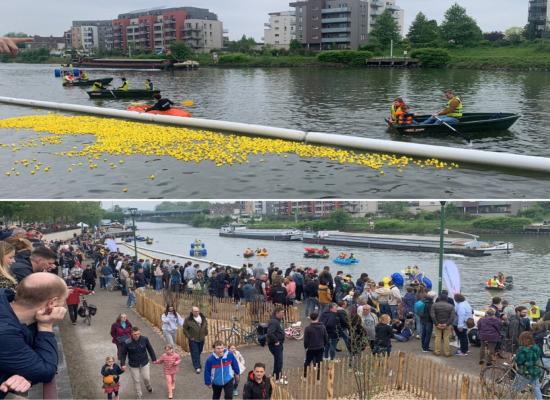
88 82
241 231
123 94
173 111
471 124
124 63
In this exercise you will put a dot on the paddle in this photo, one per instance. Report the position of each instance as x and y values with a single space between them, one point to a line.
454 130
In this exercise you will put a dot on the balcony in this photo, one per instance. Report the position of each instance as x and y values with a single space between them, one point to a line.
336 30
336 40
335 20
335 10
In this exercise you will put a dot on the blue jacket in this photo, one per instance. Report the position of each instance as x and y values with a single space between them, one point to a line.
220 370
24 351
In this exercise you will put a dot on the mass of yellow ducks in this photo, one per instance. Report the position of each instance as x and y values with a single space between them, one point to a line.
124 138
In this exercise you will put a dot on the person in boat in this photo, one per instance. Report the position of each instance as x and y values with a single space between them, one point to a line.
403 116
125 85
501 278
68 77
264 250
163 104
395 108
351 256
325 249
494 283
148 84
98 86
84 76
343 255
450 114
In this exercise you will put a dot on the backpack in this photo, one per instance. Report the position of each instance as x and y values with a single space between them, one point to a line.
419 307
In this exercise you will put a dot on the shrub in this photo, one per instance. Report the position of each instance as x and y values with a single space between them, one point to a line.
237 58
347 57
432 58
501 224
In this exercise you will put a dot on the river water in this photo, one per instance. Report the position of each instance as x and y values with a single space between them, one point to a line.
527 263
348 102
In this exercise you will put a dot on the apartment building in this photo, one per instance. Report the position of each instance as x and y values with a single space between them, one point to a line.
539 18
281 29
203 35
492 208
339 24
90 36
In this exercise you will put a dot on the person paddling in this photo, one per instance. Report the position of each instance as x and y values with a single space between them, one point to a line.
125 85
162 104
450 114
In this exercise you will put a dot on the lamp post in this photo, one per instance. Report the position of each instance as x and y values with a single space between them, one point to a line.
133 212
441 246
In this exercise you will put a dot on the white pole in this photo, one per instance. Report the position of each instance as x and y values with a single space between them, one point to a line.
391 49
479 157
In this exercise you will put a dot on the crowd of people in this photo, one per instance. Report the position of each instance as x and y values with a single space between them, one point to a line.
362 315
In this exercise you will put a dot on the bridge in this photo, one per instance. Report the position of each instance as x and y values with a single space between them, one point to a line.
145 215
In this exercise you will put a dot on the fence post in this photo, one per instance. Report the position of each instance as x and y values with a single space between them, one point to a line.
400 370
465 388
330 381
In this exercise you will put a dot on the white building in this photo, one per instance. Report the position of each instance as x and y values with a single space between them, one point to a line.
85 38
281 29
377 7
203 35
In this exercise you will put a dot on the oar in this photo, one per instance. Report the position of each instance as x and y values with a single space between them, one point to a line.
454 130
187 103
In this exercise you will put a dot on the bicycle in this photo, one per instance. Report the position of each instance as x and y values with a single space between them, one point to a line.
295 331
501 380
86 311
237 334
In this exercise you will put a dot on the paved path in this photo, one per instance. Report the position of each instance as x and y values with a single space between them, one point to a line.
63 235
86 349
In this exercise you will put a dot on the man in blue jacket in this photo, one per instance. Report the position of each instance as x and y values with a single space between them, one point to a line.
28 347
220 371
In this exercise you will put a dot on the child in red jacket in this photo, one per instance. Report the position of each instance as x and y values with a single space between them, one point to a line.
171 360
73 301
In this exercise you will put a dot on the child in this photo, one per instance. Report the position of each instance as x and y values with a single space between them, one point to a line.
171 360
240 360
131 302
384 334
110 372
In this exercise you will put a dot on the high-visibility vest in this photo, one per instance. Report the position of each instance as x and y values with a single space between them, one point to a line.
393 112
534 312
148 85
124 86
458 111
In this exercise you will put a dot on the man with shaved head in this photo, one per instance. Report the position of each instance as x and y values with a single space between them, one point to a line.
28 347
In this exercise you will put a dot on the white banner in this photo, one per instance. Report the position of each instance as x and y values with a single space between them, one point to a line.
451 276
111 245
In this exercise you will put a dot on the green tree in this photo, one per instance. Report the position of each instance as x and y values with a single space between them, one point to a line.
339 219
244 45
423 32
394 209
386 29
180 51
514 35
459 29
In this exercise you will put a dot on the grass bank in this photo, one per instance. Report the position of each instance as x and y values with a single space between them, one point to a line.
526 57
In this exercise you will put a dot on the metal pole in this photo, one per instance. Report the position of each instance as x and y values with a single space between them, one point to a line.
133 213
441 247
391 49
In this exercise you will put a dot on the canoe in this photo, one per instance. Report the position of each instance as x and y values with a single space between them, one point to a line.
345 261
173 111
123 94
316 255
470 124
89 82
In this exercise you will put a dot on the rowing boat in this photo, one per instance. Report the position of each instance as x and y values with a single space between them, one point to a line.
123 94
173 111
470 124
89 82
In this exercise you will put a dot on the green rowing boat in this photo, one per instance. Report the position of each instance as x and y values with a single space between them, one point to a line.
89 82
123 94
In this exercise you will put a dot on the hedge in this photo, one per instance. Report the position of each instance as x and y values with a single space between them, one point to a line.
431 57
347 57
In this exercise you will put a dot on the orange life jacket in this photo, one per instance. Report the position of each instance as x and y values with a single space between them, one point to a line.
404 118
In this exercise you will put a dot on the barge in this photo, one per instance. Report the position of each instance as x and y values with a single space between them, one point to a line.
125 63
240 231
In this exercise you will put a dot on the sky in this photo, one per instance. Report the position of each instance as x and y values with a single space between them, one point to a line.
240 17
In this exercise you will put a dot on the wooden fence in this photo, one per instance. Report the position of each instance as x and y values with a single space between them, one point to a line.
219 312
366 376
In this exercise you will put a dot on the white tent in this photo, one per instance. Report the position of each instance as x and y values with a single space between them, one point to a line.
83 225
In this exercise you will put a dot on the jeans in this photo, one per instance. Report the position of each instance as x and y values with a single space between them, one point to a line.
433 121
310 304
124 289
317 357
73 312
131 299
427 329
385 309
227 391
393 311
418 325
196 349
108 281
277 352
170 337
345 337
463 339
330 348
158 282
520 383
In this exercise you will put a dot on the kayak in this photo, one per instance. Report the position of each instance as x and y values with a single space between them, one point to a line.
123 94
471 124
173 111
345 261
89 82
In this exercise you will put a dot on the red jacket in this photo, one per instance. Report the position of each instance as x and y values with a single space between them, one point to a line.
74 295
118 331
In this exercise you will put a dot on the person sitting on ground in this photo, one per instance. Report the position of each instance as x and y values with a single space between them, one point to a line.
162 104
125 85
450 114
29 347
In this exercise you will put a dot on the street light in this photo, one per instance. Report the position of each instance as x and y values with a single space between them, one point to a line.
441 246
133 212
